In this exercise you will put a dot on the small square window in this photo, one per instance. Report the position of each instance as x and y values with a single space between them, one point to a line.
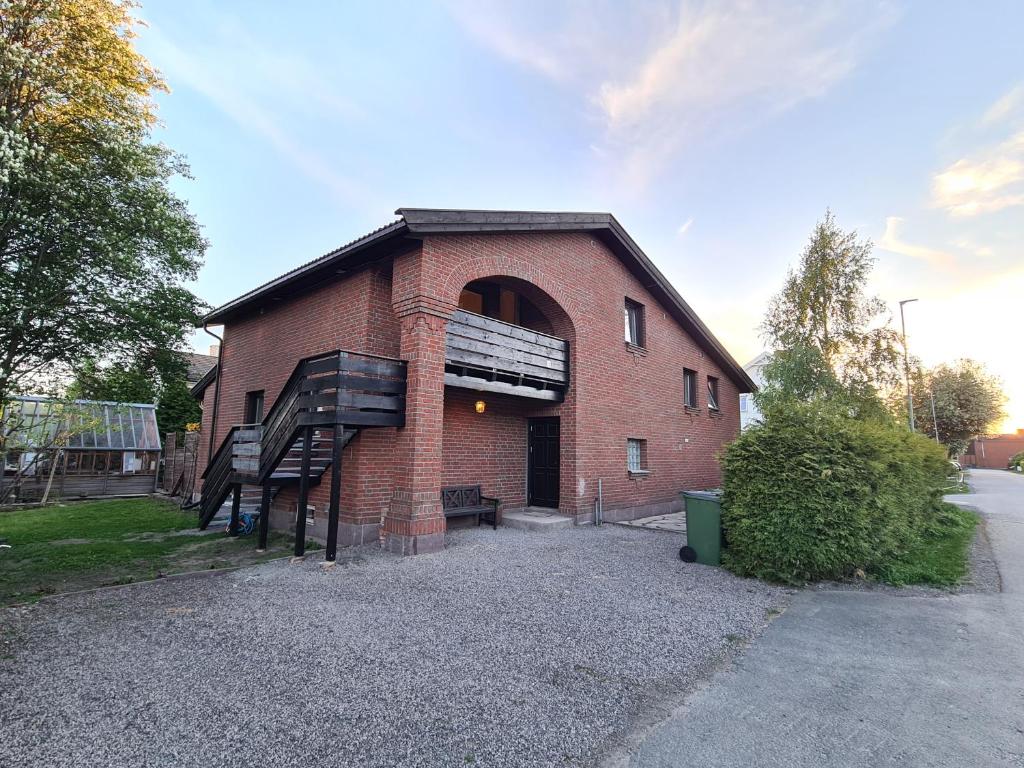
712 393
634 317
689 388
636 455
310 513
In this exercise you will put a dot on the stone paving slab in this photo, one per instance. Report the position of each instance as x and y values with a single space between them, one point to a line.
673 523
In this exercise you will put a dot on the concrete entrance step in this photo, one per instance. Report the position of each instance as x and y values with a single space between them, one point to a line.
535 519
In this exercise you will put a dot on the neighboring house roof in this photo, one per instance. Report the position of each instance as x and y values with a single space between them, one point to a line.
94 424
208 378
416 222
198 366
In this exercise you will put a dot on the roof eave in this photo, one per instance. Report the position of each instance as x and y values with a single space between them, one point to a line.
291 280
200 386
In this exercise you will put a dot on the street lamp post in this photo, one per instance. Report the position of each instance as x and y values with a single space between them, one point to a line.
906 365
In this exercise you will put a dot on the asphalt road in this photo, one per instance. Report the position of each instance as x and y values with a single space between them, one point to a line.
871 678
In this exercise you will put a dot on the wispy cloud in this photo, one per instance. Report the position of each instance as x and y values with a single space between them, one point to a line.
672 73
263 92
1008 105
685 227
892 241
989 180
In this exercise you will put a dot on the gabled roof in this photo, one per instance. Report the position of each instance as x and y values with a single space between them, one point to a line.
198 365
208 378
414 223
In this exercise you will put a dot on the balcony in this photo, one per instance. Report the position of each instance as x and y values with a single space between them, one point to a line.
491 356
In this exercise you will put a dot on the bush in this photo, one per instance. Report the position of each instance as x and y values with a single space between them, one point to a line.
1017 461
813 494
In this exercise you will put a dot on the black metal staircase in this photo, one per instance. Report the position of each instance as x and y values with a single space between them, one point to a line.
334 394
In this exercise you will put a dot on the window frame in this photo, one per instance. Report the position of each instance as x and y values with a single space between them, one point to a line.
640 453
714 400
635 323
255 406
690 388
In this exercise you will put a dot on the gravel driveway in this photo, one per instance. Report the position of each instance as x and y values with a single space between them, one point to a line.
507 649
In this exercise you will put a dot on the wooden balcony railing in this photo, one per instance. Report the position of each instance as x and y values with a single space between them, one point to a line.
491 356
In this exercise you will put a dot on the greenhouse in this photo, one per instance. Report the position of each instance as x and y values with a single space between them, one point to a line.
79 448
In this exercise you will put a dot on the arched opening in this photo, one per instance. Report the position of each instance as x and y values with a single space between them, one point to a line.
508 336
509 412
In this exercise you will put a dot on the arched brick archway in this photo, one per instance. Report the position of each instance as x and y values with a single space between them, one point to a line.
533 285
426 288
543 291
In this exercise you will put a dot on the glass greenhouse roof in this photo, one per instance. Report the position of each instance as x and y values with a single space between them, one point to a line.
34 422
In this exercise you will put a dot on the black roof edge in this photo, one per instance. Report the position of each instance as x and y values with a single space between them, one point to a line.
289 279
423 221
208 378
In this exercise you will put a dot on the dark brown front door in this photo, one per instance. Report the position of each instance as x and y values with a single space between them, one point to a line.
542 463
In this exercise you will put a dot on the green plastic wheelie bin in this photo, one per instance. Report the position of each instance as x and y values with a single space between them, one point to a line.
704 539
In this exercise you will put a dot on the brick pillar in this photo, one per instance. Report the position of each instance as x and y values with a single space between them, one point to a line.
414 523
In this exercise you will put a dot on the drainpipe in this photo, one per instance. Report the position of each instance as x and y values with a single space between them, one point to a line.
216 390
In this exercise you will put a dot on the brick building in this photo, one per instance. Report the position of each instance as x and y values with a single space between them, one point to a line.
534 354
993 452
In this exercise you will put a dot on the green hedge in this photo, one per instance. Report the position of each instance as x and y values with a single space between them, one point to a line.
1017 460
811 494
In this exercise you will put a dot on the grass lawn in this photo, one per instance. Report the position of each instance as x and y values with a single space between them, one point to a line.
99 543
941 556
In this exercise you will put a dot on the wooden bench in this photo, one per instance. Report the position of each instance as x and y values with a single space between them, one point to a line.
464 500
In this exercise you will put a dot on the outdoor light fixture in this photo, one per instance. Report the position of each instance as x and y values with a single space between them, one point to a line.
480 406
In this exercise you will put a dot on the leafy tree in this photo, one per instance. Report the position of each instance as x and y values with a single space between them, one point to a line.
177 407
968 402
158 378
115 383
94 247
831 340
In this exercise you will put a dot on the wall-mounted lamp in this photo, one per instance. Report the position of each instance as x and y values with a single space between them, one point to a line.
480 406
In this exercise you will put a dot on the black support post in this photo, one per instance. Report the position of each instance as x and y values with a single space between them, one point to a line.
337 446
236 503
300 518
265 516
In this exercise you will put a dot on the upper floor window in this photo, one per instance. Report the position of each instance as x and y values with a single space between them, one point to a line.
689 388
634 317
743 403
712 393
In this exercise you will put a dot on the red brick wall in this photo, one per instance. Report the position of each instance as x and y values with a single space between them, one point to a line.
615 393
487 448
993 452
261 351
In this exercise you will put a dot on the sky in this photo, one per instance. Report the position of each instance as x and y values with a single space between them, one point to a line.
717 133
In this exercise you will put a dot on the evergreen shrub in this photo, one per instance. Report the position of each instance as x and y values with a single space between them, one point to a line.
811 493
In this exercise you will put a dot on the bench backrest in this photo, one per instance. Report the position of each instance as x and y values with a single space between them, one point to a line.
459 496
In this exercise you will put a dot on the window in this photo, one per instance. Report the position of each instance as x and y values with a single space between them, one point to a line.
712 393
310 513
689 388
634 317
636 456
254 407
743 403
